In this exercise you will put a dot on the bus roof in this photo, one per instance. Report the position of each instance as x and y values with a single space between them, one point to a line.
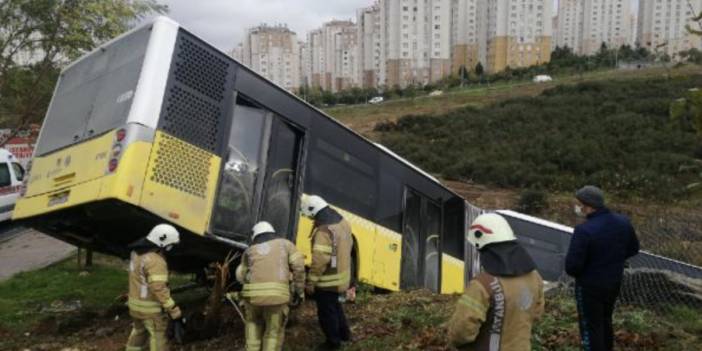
535 220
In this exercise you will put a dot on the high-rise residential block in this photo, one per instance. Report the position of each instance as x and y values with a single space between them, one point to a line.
315 44
371 56
416 38
661 25
569 28
339 50
518 33
273 52
468 33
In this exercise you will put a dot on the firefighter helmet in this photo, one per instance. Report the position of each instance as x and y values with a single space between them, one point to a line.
261 228
488 229
311 205
164 236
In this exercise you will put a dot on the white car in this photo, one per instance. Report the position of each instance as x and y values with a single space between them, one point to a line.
11 176
436 93
376 100
541 78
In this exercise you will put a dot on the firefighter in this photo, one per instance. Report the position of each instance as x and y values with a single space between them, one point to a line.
500 305
266 270
330 271
150 303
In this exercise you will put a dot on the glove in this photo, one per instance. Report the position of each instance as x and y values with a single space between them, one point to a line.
231 296
175 313
179 330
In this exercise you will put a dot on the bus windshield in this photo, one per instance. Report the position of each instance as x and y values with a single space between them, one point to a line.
95 94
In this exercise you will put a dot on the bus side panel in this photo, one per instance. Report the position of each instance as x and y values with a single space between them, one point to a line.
387 259
303 240
128 181
364 233
451 275
180 183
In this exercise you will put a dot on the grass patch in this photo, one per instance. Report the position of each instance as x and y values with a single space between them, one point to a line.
28 297
25 297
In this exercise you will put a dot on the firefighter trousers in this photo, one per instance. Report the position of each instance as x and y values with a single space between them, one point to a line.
265 327
148 334
331 317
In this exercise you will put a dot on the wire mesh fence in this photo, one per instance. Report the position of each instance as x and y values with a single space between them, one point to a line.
664 278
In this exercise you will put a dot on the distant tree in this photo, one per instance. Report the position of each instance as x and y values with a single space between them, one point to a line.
698 20
37 37
480 71
692 55
463 75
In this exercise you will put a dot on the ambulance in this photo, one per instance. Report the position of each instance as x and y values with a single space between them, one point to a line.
11 178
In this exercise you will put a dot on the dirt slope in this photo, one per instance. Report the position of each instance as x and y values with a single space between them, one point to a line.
399 321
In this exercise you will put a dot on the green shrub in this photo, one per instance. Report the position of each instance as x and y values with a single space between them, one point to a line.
614 133
532 201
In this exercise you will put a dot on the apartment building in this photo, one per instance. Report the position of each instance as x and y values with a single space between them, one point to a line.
338 51
605 21
661 25
468 33
569 28
317 61
519 33
237 53
633 29
346 54
305 64
273 52
371 56
416 38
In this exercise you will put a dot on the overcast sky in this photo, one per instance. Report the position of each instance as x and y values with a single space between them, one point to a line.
224 22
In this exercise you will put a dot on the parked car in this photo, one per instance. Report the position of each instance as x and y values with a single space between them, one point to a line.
11 177
436 93
376 100
541 78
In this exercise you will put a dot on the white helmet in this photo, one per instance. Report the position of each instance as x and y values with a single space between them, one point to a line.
311 205
488 229
261 228
164 236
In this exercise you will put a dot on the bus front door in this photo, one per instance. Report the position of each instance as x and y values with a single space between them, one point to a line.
420 242
282 181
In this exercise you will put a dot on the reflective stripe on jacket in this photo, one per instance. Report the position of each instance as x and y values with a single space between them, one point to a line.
497 313
148 285
268 269
331 257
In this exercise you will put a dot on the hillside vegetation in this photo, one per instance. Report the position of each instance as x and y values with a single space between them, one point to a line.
616 134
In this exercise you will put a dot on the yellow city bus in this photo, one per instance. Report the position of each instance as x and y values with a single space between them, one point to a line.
157 125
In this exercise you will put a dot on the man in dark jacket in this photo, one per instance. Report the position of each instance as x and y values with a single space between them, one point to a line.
596 256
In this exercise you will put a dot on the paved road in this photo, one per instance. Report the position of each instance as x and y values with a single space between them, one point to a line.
24 249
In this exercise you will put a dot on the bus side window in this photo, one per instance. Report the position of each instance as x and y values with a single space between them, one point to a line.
19 171
5 179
